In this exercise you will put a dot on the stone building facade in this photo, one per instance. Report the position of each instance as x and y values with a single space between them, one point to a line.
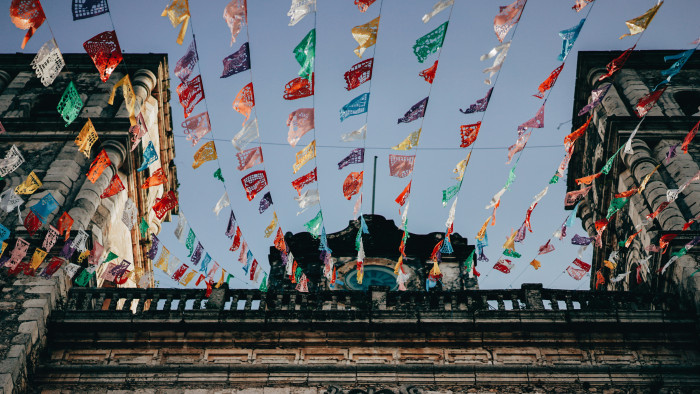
381 250
28 114
662 130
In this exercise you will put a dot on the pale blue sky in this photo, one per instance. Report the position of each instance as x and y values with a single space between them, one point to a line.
395 87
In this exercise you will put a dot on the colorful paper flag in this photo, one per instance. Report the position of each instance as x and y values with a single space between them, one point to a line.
179 13
365 35
254 183
207 152
416 111
190 93
237 62
359 74
357 156
356 106
70 105
401 166
300 122
430 43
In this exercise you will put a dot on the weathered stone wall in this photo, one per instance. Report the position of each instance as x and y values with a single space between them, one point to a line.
25 305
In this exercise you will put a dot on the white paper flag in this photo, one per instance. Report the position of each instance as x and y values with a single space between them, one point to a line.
437 8
299 9
48 62
355 135
248 133
221 204
500 52
308 199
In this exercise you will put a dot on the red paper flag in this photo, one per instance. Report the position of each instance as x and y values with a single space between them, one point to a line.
627 193
158 178
280 244
587 180
236 240
429 73
469 133
105 52
549 82
503 265
352 184
665 240
304 180
617 63
190 93
363 5
299 87
656 213
401 199
114 187
98 166
27 15
359 74
584 266
180 271
571 138
65 223
32 223
575 273
164 204
599 279
647 102
253 268
689 137
253 183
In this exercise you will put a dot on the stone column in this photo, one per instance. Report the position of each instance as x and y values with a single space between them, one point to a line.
5 79
143 82
88 198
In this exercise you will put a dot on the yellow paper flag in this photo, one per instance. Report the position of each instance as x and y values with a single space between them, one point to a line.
86 138
461 167
510 242
365 35
178 12
37 258
640 23
186 280
29 185
206 153
410 142
304 155
482 232
646 179
162 262
129 97
273 225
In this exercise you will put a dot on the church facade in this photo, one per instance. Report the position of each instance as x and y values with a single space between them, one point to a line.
646 246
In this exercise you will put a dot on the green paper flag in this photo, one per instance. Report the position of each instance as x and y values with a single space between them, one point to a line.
84 277
512 253
554 179
189 244
110 256
217 175
609 164
680 253
450 192
143 228
70 105
228 278
430 43
616 205
263 284
297 274
469 262
305 54
314 225
511 176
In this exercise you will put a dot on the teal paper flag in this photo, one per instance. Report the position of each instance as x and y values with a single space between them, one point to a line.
305 53
569 36
314 225
450 192
356 106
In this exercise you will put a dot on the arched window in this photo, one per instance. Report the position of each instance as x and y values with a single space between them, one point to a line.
689 101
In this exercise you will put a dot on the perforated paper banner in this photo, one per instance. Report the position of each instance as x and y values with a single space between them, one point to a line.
304 180
70 105
299 87
196 127
469 133
569 37
352 184
45 207
254 183
86 138
305 54
314 225
150 156
129 214
249 158
409 142
357 156
48 62
235 15
480 105
365 35
597 96
129 96
158 177
537 122
265 202
647 102
190 93
356 106
248 133
355 135
114 187
358 74
30 185
416 111
27 15
363 5
300 122
164 204
304 155
179 13
507 17
245 101
13 159
500 52
105 52
401 166
440 6
185 65
307 199
207 152
299 9
237 62
640 23
430 43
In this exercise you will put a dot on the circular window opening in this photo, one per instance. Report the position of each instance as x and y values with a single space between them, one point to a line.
375 275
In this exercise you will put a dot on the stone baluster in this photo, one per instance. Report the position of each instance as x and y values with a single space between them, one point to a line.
88 199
